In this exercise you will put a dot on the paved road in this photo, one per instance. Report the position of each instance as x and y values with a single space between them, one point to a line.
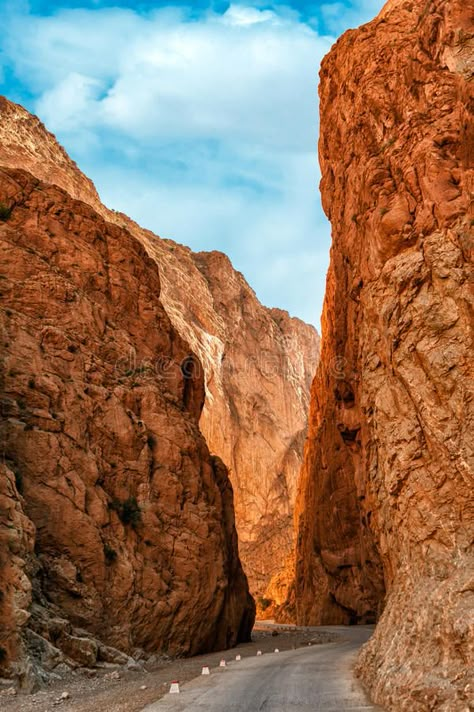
310 679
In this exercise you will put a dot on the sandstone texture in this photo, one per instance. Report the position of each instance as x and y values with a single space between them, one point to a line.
257 363
385 505
25 143
116 524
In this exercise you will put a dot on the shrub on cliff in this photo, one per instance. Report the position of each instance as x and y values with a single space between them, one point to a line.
264 603
5 212
129 511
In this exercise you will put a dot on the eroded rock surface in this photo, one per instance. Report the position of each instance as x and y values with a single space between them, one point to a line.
258 363
25 143
116 524
386 498
17 537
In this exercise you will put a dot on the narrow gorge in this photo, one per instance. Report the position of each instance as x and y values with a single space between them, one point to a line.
118 347
177 457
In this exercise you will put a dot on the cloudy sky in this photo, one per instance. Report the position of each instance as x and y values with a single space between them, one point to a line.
199 120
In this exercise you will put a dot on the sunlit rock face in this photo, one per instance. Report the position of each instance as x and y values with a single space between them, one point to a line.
257 363
25 143
116 523
386 511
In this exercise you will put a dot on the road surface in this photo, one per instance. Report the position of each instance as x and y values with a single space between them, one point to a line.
316 678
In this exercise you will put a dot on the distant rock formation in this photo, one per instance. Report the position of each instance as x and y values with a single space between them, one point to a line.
386 514
258 365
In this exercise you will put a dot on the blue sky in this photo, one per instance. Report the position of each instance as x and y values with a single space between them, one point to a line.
199 120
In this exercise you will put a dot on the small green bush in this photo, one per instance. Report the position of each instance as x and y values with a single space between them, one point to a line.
128 511
131 512
151 440
5 212
265 603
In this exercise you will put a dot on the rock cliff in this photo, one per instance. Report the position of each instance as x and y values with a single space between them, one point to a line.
116 523
386 511
258 363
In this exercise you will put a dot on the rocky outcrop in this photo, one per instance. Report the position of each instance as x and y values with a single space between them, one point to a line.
116 523
258 363
386 512
26 144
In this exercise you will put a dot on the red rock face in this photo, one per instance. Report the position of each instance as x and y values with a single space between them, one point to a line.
257 363
386 497
115 520
17 536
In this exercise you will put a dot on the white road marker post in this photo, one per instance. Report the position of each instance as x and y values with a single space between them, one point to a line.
238 658
276 650
259 652
174 689
205 670
222 663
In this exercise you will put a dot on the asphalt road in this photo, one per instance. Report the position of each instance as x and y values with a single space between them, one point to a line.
311 679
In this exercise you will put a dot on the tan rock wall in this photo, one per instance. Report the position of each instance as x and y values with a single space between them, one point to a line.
258 365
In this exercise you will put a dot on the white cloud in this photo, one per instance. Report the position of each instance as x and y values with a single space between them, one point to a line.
248 75
202 129
338 17
70 98
240 15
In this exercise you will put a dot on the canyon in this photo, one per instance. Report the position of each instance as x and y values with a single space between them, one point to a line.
385 511
133 368
112 367
257 363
